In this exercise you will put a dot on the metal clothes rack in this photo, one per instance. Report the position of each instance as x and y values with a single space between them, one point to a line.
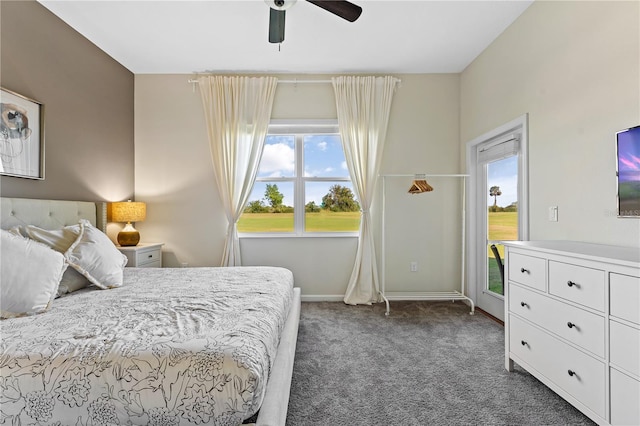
428 295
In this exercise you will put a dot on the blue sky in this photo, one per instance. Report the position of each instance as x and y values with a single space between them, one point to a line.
323 157
503 173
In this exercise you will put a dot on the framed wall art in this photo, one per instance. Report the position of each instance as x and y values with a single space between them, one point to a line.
21 136
628 172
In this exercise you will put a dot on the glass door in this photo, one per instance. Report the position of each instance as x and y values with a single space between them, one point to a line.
499 175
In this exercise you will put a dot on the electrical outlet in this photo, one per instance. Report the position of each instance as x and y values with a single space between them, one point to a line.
553 214
413 267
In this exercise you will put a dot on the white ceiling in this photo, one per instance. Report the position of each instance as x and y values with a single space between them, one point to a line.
167 37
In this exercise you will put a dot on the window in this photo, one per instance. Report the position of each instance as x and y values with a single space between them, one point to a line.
303 185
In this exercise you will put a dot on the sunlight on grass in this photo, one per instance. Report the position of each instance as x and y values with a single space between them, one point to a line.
323 221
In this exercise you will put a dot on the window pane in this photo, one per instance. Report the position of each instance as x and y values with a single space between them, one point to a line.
269 209
278 157
324 156
502 218
331 207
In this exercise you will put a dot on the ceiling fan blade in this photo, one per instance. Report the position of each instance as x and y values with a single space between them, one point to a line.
342 8
276 25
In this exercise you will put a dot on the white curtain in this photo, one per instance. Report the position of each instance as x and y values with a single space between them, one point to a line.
237 111
363 106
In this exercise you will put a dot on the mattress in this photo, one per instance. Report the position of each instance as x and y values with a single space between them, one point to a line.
186 346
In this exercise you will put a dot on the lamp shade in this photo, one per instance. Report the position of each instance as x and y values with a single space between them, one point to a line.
128 211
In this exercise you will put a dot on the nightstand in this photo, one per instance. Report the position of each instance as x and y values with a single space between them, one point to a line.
144 255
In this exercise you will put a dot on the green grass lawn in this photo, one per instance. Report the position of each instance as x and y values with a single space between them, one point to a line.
503 225
322 221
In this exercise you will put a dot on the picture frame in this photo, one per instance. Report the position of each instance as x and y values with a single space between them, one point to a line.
628 172
21 136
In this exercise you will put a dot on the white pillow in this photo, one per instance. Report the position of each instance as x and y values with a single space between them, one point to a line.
60 240
96 257
29 275
72 280
19 230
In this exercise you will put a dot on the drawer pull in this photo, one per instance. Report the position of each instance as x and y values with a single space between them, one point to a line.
150 256
524 343
524 271
572 284
570 324
571 373
524 304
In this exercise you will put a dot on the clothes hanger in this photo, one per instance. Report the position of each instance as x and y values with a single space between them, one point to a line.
420 185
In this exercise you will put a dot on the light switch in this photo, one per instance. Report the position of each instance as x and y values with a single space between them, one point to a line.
553 214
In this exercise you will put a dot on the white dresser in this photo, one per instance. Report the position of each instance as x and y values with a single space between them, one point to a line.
572 319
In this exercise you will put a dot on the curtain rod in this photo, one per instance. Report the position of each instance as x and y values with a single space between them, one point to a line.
419 175
295 81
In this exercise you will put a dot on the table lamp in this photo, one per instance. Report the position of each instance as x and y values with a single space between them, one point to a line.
128 211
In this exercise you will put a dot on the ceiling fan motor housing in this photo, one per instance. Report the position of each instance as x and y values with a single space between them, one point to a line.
280 4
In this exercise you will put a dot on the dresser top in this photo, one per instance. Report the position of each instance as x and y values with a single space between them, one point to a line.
627 256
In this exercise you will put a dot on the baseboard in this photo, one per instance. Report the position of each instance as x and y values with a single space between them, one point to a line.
322 297
390 296
483 312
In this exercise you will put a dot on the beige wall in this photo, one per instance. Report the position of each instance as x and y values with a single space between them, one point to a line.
88 102
574 68
174 175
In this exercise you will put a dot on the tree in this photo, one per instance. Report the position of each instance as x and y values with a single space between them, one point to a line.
311 207
256 206
494 192
340 199
273 195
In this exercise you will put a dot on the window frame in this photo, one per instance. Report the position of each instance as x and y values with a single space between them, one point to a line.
299 129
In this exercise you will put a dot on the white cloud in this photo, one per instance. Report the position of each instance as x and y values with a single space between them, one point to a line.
277 159
322 146
343 165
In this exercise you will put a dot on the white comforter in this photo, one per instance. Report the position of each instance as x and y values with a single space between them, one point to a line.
170 347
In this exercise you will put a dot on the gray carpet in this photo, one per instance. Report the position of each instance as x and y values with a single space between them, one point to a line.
428 363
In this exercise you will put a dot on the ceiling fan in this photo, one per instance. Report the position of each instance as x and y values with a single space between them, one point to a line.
342 8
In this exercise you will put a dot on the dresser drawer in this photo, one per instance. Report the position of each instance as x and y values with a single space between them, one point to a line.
582 328
577 373
577 284
624 297
625 394
624 350
527 270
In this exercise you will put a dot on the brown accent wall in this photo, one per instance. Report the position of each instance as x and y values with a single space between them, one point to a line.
88 102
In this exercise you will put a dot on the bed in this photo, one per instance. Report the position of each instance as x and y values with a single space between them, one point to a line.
167 346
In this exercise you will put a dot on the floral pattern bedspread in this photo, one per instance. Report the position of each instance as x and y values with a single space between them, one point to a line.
187 346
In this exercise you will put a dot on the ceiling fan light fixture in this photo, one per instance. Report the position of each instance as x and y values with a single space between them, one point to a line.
280 4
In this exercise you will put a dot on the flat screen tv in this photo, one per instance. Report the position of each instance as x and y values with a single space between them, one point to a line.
628 172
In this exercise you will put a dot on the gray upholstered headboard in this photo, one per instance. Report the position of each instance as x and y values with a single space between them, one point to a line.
50 214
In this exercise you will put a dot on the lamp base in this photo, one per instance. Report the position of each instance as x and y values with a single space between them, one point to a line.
128 238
